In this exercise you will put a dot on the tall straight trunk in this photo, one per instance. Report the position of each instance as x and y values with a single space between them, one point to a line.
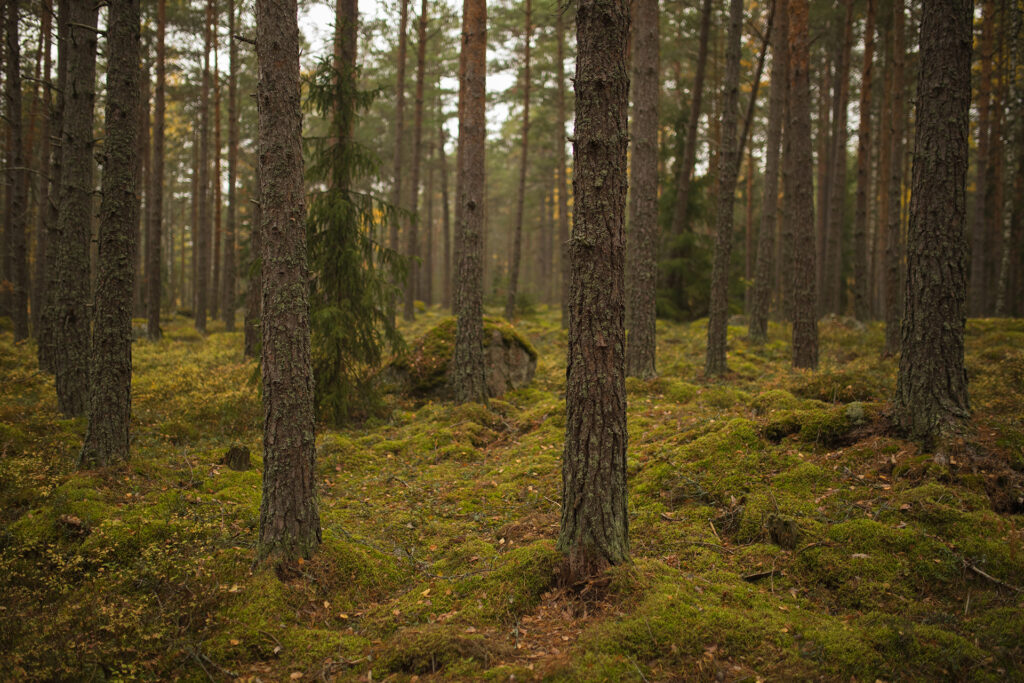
798 131
884 177
106 438
517 229
412 227
560 168
748 232
71 312
39 282
833 293
289 515
215 288
193 227
155 200
824 168
755 85
396 189
227 307
979 288
996 165
861 304
254 289
931 394
893 235
595 525
144 173
427 271
718 311
761 297
17 178
202 242
684 173
446 233
468 378
642 245
785 250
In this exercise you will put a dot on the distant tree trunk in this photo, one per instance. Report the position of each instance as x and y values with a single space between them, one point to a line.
798 130
155 200
761 297
254 290
106 438
833 294
517 240
595 524
143 173
427 271
71 312
861 304
931 394
979 220
563 184
718 312
996 166
215 287
202 243
884 177
642 245
446 233
755 85
17 180
468 378
412 228
289 515
893 241
39 281
684 173
193 227
228 285
396 190
824 167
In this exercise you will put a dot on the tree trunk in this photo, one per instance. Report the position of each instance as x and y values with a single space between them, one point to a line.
761 298
39 281
833 293
994 220
563 184
979 220
643 240
227 306
893 234
931 394
215 287
204 228
71 312
396 190
254 289
143 173
446 232
861 304
798 132
412 227
595 523
824 168
106 438
468 377
289 516
517 240
427 271
718 312
17 179
884 178
155 200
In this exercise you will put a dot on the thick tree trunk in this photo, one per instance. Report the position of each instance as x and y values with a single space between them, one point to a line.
155 200
893 234
17 179
861 303
254 289
71 312
468 378
201 259
517 239
227 306
289 516
931 395
412 227
718 311
641 252
798 131
563 184
595 523
979 220
761 298
106 438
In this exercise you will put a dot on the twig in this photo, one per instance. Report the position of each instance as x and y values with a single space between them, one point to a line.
714 530
759 575
243 39
200 663
991 578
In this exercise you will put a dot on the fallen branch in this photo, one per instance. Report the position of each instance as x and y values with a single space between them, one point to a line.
759 575
998 582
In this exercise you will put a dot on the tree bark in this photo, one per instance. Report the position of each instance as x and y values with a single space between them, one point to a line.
861 303
931 394
718 312
155 200
106 438
595 525
412 227
563 184
39 280
204 228
884 178
289 515
446 233
468 377
17 179
143 173
230 277
254 289
517 240
798 131
215 286
643 240
894 213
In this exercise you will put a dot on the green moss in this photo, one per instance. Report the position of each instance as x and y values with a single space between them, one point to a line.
827 427
433 647
844 386
724 397
773 400
681 392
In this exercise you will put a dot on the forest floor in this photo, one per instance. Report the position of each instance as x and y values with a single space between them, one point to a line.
778 529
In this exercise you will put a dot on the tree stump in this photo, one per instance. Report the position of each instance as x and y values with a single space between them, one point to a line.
237 458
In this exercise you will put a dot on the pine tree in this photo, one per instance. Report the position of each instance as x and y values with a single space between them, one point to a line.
861 305
155 200
227 306
17 180
517 239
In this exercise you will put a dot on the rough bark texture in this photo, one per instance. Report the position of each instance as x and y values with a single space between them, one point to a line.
861 304
761 298
642 270
201 259
595 524
412 229
289 514
106 438
517 229
468 378
979 219
155 200
894 213
560 170
798 130
17 178
718 313
71 313
227 306
931 395
254 289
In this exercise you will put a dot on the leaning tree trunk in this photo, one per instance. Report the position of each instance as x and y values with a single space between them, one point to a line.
106 438
718 315
641 253
227 306
798 129
155 200
563 184
931 394
517 230
595 522
289 515
412 228
894 213
17 180
861 304
468 378
761 298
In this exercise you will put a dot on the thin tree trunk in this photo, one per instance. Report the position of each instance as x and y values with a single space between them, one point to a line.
155 200
833 293
106 438
39 281
215 286
229 279
893 241
412 227
427 271
861 304
17 179
824 168
446 233
517 240
202 243
396 190
563 183
979 219
884 177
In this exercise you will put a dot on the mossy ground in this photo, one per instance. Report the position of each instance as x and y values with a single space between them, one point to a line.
438 556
